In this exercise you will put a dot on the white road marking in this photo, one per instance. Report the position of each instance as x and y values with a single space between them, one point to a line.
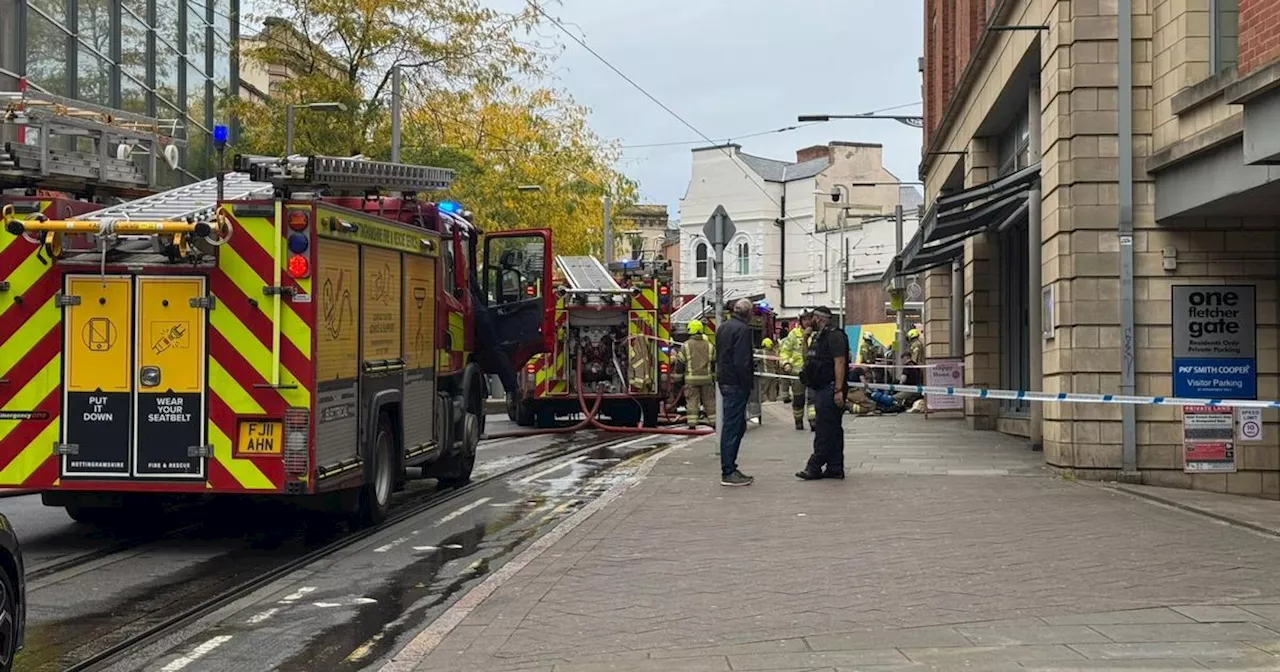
196 654
453 546
298 594
425 548
552 470
346 603
262 616
386 547
460 511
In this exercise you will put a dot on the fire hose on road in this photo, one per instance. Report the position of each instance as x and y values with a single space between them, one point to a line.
590 421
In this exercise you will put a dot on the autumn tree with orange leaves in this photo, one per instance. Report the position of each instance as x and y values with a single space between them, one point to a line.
462 108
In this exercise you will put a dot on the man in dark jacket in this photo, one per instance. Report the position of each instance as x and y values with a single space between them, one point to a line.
825 369
735 371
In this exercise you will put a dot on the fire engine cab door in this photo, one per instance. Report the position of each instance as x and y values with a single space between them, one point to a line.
517 271
169 376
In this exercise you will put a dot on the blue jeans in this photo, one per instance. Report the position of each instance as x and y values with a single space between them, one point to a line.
734 425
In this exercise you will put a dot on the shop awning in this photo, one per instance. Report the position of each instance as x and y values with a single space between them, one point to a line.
956 216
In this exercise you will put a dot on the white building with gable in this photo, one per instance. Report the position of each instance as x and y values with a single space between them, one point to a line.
794 244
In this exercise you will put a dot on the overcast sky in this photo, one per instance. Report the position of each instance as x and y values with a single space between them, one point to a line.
738 67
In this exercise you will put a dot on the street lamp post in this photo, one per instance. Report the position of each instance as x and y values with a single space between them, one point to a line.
904 119
289 114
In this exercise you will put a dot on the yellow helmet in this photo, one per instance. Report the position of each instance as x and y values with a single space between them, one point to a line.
914 333
766 343
695 326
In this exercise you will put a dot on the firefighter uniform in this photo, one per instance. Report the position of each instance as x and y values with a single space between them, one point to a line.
769 364
697 360
791 354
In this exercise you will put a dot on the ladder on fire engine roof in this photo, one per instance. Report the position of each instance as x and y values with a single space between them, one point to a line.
586 274
342 174
49 164
700 306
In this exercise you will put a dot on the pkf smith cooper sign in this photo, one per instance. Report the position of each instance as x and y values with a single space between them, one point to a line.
1215 341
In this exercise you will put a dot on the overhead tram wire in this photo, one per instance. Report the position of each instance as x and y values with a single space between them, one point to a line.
534 5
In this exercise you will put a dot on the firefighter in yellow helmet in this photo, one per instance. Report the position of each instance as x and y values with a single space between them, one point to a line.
914 358
697 362
768 364
791 355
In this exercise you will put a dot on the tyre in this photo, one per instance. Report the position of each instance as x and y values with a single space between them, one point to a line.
8 621
544 419
513 408
97 516
380 478
651 411
459 471
524 414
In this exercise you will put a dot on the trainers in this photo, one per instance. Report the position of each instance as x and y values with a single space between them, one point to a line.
737 478
837 474
806 475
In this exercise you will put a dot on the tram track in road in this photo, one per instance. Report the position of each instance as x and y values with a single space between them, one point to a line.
167 624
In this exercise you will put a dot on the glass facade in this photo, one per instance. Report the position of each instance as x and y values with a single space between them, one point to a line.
171 59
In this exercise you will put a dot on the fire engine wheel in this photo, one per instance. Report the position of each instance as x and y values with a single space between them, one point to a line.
459 472
524 414
513 408
375 497
652 409
8 621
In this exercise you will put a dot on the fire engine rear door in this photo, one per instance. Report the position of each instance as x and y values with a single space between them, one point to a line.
98 380
169 427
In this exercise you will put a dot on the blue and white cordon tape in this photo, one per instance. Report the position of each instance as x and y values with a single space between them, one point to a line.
1068 397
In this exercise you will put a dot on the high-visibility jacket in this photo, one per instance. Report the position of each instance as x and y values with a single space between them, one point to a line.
915 349
791 350
868 353
698 357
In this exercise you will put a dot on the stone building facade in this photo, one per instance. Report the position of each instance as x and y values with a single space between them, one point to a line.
1086 161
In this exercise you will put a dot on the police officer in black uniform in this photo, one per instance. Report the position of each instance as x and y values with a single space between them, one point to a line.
825 367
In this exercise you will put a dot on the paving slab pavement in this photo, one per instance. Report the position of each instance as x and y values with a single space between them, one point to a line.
945 549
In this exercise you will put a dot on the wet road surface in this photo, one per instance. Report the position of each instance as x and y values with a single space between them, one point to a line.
352 610
73 612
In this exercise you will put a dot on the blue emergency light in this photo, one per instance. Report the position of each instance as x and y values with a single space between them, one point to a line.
220 135
449 207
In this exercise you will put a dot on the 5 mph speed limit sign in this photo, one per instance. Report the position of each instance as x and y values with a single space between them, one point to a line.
1250 424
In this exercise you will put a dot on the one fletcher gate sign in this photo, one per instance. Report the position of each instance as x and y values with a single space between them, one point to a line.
1215 341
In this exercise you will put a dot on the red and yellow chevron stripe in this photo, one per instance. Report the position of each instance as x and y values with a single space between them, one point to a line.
241 342
30 365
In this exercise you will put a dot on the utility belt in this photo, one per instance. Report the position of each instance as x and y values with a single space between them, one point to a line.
818 374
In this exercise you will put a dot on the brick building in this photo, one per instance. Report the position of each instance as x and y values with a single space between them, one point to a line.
1091 166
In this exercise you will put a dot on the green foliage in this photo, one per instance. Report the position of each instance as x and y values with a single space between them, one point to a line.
462 108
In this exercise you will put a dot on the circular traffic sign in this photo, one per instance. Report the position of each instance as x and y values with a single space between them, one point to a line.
1251 429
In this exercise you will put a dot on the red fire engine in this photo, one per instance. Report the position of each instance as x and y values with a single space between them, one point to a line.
301 337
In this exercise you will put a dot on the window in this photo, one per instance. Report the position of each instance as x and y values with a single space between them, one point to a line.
1225 45
47 54
94 20
133 47
700 260
1015 332
93 78
1015 146
514 267
744 258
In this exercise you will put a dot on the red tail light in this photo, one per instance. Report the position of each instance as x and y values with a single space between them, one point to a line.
531 368
299 267
662 368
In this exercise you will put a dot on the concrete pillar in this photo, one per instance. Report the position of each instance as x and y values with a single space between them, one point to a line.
1035 243
957 308
982 291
